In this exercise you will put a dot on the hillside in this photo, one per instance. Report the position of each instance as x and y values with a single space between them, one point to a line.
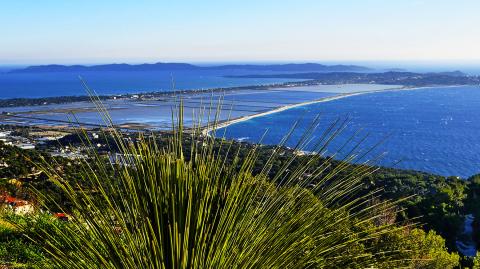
428 245
388 78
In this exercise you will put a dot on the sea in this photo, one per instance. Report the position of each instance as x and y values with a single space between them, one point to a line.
435 130
49 84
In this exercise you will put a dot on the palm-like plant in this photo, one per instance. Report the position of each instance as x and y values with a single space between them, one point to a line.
166 207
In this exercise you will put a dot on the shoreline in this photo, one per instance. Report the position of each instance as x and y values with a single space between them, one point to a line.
206 131
146 95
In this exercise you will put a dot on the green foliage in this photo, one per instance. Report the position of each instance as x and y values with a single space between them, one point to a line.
476 261
427 250
438 202
472 205
167 207
14 157
419 249
16 246
197 202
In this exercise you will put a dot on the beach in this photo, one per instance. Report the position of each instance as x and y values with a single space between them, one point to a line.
227 123
156 113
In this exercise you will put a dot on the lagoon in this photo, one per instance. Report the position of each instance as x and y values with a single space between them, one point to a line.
436 130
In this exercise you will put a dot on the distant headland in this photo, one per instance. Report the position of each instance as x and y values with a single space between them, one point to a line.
301 67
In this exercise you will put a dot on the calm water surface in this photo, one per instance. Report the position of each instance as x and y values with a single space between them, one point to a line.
31 85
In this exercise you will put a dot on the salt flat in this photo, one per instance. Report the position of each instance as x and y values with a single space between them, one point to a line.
156 113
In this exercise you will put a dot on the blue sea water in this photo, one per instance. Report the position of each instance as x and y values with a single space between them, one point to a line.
434 130
31 85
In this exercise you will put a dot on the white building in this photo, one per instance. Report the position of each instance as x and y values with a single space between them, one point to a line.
25 146
4 134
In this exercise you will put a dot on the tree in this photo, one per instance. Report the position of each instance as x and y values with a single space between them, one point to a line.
476 261
419 249
167 207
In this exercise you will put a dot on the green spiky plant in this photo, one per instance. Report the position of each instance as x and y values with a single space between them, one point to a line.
168 207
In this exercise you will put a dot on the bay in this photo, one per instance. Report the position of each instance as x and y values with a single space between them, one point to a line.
435 130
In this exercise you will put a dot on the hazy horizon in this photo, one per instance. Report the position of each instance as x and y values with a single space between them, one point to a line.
78 32
469 67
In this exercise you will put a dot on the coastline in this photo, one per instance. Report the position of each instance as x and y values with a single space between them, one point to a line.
55 100
207 130
224 122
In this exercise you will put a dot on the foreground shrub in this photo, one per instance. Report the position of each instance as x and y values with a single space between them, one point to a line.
167 207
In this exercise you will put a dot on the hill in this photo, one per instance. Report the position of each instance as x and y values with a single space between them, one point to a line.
388 78
304 67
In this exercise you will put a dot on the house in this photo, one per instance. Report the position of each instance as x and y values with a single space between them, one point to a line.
18 206
4 137
61 216
24 209
25 146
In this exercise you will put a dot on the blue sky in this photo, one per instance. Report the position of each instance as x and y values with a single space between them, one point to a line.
87 31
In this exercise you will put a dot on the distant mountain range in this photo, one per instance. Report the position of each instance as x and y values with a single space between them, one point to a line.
305 67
